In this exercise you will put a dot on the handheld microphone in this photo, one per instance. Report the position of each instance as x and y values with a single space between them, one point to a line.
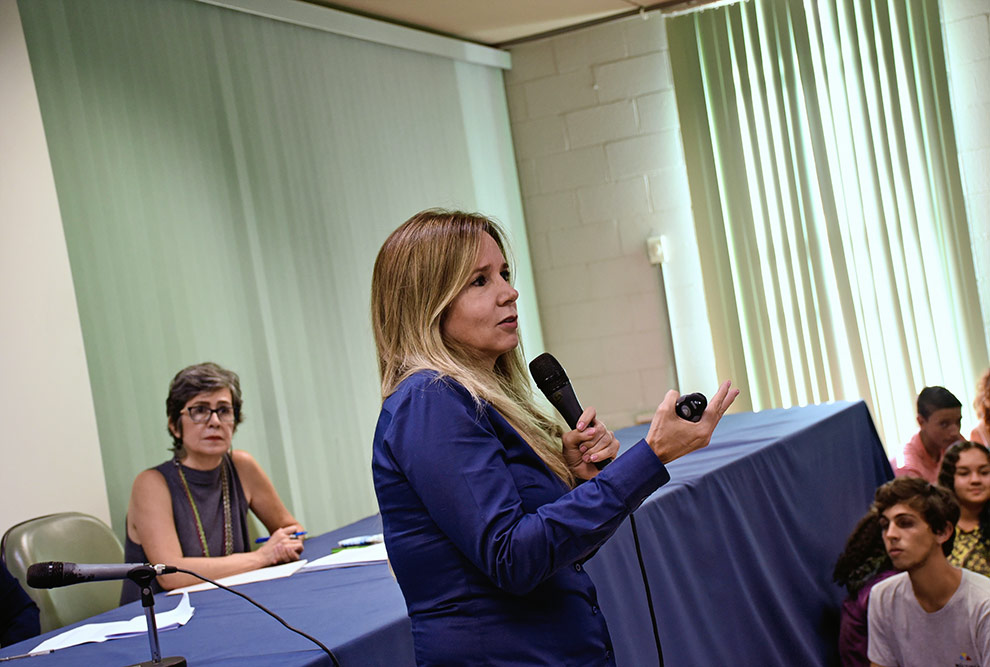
54 573
555 385
691 406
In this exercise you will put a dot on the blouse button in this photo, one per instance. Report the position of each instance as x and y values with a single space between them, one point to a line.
594 609
577 567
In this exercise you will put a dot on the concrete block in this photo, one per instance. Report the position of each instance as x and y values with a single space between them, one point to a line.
613 393
968 85
660 379
555 331
614 200
585 244
633 77
976 170
600 124
645 36
528 181
960 9
618 419
633 351
581 359
573 169
968 39
649 311
515 97
978 214
972 125
657 111
532 60
568 284
539 250
593 318
545 213
591 46
622 276
560 93
647 153
669 189
543 136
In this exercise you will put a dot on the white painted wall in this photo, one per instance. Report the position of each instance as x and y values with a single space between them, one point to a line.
49 444
966 25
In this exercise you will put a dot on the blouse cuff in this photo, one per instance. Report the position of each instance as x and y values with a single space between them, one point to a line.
634 474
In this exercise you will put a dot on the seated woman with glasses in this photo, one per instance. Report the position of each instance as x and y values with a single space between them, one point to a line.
191 512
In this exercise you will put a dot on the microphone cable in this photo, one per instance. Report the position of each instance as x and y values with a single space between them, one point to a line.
646 587
278 618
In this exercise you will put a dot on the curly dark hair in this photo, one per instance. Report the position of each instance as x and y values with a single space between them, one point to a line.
864 556
936 506
947 480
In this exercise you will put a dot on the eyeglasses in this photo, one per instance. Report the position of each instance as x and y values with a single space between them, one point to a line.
200 414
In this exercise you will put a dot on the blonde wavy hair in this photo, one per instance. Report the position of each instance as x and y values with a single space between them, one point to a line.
422 266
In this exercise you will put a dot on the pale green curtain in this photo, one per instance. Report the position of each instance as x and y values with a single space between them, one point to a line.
225 182
825 187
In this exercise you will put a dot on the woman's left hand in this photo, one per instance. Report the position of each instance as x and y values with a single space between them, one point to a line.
587 444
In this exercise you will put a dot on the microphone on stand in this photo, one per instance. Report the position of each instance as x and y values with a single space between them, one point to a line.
54 573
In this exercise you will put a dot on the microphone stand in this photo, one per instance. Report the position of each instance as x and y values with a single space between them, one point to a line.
143 576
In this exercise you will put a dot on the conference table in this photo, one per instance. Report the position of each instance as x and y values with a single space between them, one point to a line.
739 548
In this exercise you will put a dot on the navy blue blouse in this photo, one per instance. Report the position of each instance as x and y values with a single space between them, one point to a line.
487 543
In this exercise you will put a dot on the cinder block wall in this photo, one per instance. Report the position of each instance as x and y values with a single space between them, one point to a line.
966 25
601 166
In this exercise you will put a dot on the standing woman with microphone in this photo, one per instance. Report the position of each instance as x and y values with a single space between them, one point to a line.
489 508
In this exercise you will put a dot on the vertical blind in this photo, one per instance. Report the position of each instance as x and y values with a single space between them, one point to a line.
225 183
824 180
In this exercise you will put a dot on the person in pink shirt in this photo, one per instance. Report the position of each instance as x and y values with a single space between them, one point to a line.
939 420
981 433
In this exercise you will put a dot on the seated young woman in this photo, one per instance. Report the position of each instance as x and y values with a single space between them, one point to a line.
965 473
191 511
863 564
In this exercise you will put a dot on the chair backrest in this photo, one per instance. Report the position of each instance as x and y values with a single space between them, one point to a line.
67 536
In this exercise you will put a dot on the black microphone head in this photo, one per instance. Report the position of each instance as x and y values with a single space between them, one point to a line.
548 373
691 407
45 575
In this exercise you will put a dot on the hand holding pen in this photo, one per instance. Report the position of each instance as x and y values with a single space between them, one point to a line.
283 545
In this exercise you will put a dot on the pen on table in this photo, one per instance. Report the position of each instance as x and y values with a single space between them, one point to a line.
361 541
27 655
265 539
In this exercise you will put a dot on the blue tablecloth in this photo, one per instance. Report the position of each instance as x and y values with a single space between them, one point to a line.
739 549
741 543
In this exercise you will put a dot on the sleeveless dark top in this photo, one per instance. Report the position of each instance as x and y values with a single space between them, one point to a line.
204 485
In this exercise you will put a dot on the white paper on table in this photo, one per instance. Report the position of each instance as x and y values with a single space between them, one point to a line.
264 574
374 553
100 632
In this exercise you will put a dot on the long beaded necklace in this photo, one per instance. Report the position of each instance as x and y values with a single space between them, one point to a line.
228 533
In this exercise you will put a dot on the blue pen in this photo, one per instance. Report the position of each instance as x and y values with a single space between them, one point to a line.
265 539
361 541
